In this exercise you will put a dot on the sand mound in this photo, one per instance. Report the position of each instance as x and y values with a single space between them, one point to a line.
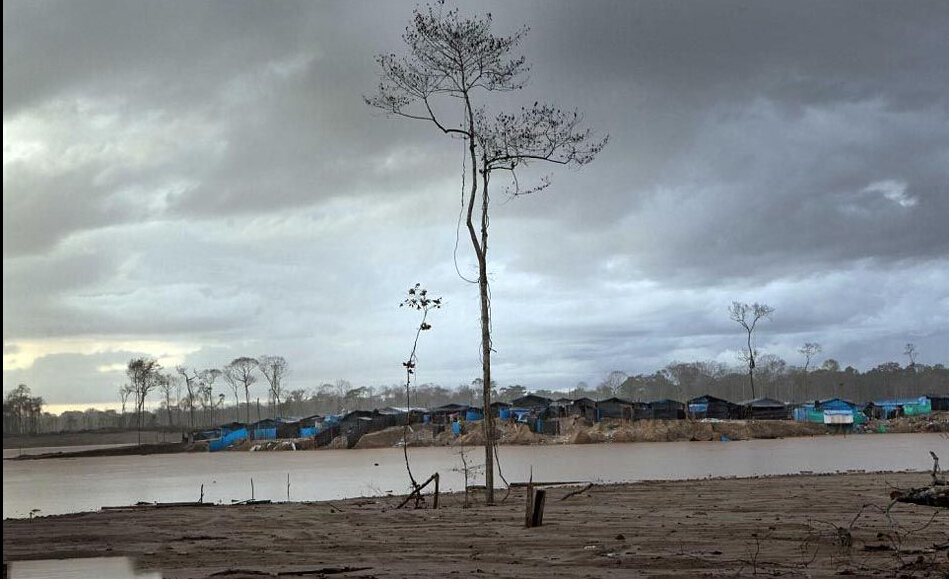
519 434
389 437
337 443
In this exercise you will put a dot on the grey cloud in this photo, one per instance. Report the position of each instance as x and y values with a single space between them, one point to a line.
212 177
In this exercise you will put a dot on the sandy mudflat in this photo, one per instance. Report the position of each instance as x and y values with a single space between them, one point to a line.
726 527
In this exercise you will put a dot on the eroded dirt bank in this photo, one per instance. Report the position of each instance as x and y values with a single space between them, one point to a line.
726 527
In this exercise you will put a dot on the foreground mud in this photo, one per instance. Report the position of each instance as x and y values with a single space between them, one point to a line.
795 526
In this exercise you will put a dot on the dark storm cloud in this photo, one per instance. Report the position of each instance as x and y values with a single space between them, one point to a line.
206 176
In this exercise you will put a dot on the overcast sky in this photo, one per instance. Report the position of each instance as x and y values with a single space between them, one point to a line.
198 181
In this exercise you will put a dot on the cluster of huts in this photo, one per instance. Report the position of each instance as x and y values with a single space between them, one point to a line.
542 415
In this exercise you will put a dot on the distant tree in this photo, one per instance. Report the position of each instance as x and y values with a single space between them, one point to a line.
168 384
808 350
241 370
511 393
610 385
207 378
191 385
341 387
748 315
831 365
124 392
910 352
682 376
23 410
274 369
454 60
143 375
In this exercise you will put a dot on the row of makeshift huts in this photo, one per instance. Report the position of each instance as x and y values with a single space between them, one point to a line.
542 415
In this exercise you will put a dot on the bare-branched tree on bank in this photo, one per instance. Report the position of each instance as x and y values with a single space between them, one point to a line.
168 384
191 385
808 350
143 374
207 379
274 369
125 391
912 353
419 300
241 370
452 63
23 409
748 315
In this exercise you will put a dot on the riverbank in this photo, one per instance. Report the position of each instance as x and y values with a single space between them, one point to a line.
86 438
713 527
573 431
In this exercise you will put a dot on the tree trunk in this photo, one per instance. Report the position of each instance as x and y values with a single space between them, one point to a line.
488 420
246 403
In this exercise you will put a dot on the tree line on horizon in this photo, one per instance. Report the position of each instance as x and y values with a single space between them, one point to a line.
22 412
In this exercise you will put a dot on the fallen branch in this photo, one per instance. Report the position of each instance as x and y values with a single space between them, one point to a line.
417 493
577 492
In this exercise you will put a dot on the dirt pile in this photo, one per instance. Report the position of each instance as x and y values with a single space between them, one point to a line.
935 422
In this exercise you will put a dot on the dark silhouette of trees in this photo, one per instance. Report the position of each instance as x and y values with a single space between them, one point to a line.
453 62
21 411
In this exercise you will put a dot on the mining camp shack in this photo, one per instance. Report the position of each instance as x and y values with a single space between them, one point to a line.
616 408
939 402
764 409
448 413
310 425
265 429
831 411
531 402
288 428
666 409
709 406
896 407
584 407
359 422
501 410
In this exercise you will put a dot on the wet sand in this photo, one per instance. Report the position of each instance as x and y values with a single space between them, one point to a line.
784 525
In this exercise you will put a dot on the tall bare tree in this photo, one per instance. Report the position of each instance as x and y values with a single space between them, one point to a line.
748 315
207 378
124 392
910 352
191 385
453 62
143 375
168 384
808 350
241 370
274 369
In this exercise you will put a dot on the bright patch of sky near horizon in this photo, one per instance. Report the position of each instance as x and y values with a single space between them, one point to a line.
198 182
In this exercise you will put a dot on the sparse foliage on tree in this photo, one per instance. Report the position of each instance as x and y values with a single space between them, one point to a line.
748 316
274 369
418 300
191 385
143 376
241 371
808 350
454 64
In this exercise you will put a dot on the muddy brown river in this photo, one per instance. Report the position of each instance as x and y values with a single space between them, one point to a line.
56 486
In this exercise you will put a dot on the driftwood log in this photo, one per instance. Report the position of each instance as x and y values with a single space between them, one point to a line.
935 495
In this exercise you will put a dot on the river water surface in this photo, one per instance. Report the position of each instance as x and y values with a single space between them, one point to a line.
65 485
